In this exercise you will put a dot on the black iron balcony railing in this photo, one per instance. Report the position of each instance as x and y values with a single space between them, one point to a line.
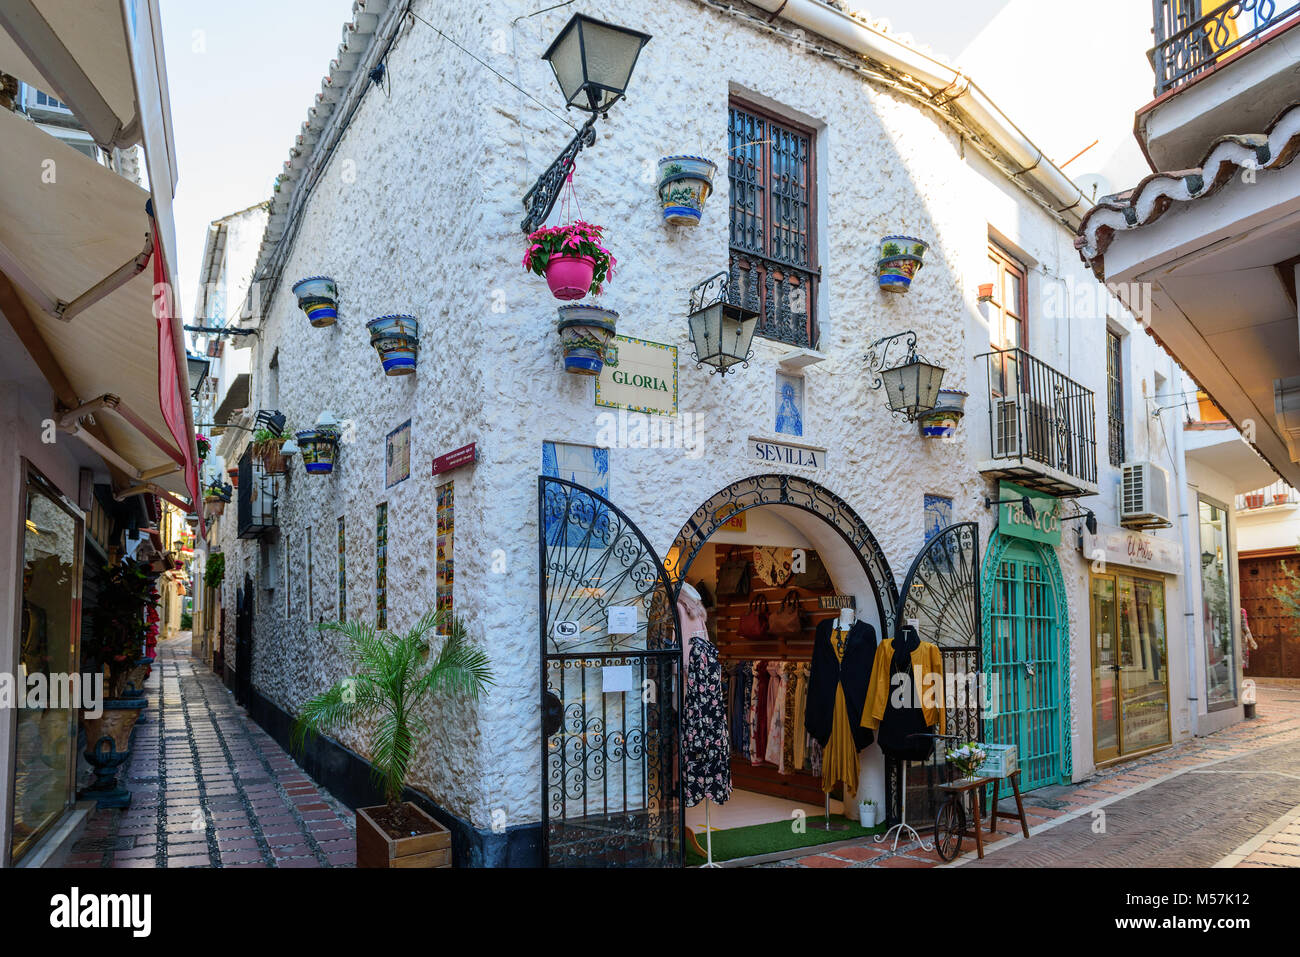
1037 414
784 297
257 494
1191 39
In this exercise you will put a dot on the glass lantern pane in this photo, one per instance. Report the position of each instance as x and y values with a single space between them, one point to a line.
705 332
737 334
611 54
566 61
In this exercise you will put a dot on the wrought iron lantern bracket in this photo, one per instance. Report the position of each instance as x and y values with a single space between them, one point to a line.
705 295
880 361
540 199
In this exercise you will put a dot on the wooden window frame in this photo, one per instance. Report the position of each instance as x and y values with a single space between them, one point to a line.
813 267
1003 263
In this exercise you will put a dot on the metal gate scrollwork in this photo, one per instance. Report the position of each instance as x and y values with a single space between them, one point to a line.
611 688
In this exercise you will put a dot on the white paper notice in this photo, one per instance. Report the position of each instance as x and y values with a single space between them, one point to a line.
618 678
622 619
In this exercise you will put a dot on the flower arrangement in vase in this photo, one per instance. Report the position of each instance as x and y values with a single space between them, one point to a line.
572 258
967 759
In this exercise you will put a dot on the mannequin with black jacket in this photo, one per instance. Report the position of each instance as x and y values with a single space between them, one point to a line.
827 671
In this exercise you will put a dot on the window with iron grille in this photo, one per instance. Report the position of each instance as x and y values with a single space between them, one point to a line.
1115 397
773 265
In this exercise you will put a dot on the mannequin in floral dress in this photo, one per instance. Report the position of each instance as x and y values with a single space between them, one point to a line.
706 745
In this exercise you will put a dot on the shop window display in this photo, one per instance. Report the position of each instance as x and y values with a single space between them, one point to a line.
1216 608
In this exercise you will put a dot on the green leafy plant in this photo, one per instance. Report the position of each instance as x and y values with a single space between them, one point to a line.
118 622
214 571
392 675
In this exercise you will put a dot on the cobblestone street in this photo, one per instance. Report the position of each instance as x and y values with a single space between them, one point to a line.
211 788
1230 799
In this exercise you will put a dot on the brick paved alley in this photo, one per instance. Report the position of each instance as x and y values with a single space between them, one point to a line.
211 788
1230 799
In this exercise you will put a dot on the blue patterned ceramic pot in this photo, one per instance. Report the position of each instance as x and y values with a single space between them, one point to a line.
585 331
318 449
685 182
397 340
899 261
318 297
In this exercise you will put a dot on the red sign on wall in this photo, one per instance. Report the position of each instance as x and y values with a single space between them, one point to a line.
454 460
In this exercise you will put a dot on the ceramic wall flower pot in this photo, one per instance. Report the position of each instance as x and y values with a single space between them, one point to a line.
570 277
940 423
397 340
900 259
319 450
585 331
685 182
234 477
318 297
108 747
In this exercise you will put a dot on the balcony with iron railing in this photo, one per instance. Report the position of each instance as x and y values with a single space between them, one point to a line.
257 496
1220 67
1277 495
1042 426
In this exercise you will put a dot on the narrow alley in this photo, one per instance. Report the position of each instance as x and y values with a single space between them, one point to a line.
210 788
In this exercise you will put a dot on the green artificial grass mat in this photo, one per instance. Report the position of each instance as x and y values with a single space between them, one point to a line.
777 836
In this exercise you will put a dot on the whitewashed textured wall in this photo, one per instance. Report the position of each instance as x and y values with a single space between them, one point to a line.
419 211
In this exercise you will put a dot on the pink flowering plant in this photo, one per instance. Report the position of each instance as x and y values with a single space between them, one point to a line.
575 239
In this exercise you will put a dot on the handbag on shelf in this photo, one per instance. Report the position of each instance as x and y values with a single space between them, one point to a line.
788 619
754 623
733 578
814 576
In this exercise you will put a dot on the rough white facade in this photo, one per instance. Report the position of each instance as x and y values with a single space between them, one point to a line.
418 212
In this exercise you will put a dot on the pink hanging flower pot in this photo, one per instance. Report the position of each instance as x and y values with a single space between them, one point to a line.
572 259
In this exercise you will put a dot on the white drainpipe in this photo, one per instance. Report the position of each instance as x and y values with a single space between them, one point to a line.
1191 572
949 86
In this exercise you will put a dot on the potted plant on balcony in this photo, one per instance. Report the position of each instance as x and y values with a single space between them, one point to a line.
397 340
1255 500
585 332
572 259
685 182
318 298
900 260
214 570
266 448
392 675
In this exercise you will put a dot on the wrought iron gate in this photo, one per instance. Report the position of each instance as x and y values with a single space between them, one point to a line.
611 688
243 641
942 592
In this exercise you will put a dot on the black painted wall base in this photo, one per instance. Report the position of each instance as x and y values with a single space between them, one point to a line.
347 776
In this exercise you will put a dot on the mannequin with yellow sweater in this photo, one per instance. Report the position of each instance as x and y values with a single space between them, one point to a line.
923 663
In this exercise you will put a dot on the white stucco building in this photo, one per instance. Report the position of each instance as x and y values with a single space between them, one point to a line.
856 136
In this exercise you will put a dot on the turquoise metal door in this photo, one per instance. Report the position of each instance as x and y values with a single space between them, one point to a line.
1025 625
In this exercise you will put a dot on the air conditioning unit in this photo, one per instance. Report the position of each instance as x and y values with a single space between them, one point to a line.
1144 496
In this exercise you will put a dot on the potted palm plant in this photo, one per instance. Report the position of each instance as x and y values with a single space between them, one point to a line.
392 675
572 258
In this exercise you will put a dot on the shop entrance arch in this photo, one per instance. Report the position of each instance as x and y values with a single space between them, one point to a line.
1026 653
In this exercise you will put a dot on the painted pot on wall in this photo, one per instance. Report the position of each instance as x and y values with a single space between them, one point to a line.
585 331
319 449
899 261
942 421
685 182
318 297
397 340
570 276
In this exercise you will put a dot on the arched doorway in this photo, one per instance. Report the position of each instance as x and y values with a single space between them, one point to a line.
1026 652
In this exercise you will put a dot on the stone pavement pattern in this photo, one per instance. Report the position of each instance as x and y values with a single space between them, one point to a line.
210 788
1194 805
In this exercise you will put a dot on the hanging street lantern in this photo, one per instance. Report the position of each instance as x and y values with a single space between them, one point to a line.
197 367
593 63
721 331
911 382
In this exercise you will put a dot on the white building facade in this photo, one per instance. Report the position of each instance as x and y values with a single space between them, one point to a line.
1088 640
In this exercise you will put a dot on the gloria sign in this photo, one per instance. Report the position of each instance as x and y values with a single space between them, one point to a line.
639 376
1045 526
1122 546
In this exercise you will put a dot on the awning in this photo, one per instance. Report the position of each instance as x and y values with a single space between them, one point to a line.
236 397
63 231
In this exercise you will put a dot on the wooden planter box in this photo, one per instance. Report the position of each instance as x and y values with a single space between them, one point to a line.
376 849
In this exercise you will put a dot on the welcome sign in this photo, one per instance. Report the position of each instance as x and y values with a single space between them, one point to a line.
1044 527
639 376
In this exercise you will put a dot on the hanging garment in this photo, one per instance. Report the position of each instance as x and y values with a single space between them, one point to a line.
926 663
800 728
814 756
829 672
735 702
706 754
761 716
776 713
751 742
840 759
788 710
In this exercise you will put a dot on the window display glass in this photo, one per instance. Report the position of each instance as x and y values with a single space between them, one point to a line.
1216 608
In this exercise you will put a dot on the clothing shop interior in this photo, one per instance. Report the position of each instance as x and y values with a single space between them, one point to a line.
778 676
